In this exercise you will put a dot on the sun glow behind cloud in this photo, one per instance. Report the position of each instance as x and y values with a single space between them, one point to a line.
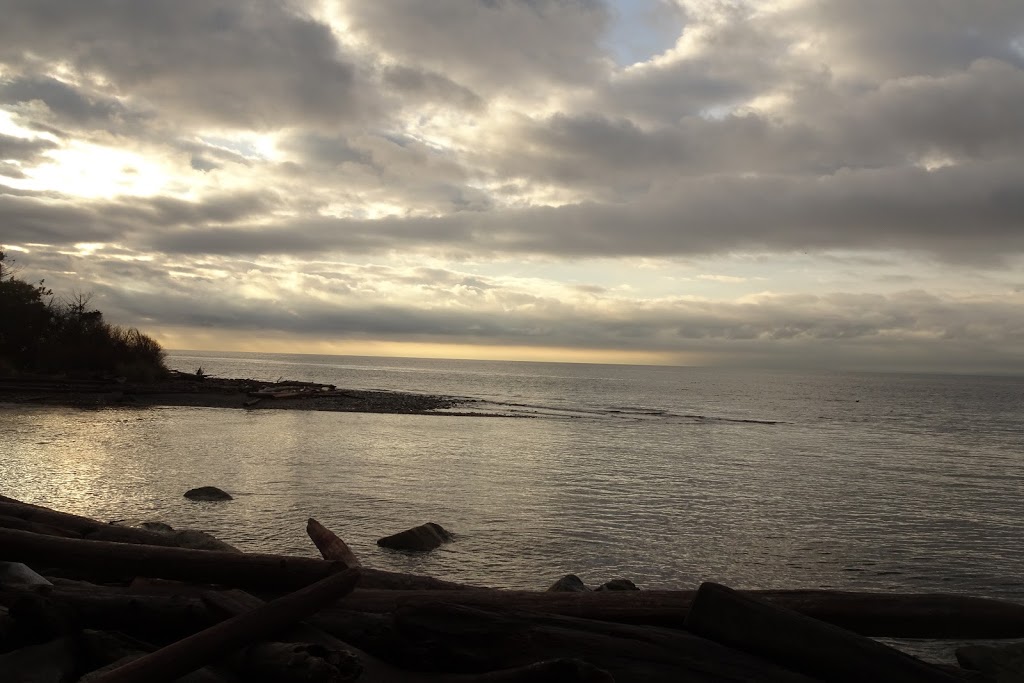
93 171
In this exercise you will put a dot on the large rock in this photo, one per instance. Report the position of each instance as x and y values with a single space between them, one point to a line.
618 585
424 537
570 583
207 493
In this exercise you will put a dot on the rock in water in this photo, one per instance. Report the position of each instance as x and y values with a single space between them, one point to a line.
570 583
207 493
424 537
618 585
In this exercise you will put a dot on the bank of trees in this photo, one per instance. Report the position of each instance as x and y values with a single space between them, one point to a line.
43 333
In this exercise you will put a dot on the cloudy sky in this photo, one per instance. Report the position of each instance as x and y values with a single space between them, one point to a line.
821 183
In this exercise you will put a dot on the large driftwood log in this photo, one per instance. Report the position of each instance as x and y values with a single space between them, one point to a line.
84 527
235 602
249 570
273 662
191 653
12 522
872 614
56 660
466 639
800 642
234 569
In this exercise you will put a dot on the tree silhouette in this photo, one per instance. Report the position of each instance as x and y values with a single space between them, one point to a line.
39 333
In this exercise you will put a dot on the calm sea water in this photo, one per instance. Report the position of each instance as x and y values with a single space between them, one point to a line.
666 476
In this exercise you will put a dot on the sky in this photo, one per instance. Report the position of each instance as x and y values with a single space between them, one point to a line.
832 184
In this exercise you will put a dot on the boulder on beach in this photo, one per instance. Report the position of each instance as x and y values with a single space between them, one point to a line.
570 583
207 493
618 585
423 537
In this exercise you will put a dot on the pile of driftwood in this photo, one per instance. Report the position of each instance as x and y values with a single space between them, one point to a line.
84 600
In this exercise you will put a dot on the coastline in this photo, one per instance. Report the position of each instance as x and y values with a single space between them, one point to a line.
209 392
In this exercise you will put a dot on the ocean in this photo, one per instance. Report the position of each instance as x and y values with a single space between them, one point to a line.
667 476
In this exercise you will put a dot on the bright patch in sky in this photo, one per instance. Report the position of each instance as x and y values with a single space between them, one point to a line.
94 171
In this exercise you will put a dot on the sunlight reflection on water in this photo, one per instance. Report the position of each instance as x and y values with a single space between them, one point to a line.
530 500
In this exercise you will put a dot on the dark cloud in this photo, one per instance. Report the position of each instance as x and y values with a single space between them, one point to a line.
490 46
884 40
905 208
68 104
34 217
419 85
22 149
257 63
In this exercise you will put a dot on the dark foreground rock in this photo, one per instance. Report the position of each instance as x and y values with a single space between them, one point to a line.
618 585
207 493
421 538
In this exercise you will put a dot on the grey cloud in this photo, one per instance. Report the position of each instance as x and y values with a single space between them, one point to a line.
969 114
70 105
736 58
22 149
490 46
320 152
430 86
11 171
35 217
257 64
970 212
916 37
26 217
200 162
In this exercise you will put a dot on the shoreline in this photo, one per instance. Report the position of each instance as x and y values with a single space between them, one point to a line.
157 592
209 392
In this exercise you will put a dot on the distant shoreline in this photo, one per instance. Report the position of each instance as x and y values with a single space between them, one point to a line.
209 392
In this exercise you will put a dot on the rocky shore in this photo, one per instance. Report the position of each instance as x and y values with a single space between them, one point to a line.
182 389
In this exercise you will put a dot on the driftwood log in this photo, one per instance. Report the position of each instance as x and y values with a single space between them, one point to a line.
169 662
870 614
330 546
398 627
466 639
244 570
64 524
801 643
374 670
